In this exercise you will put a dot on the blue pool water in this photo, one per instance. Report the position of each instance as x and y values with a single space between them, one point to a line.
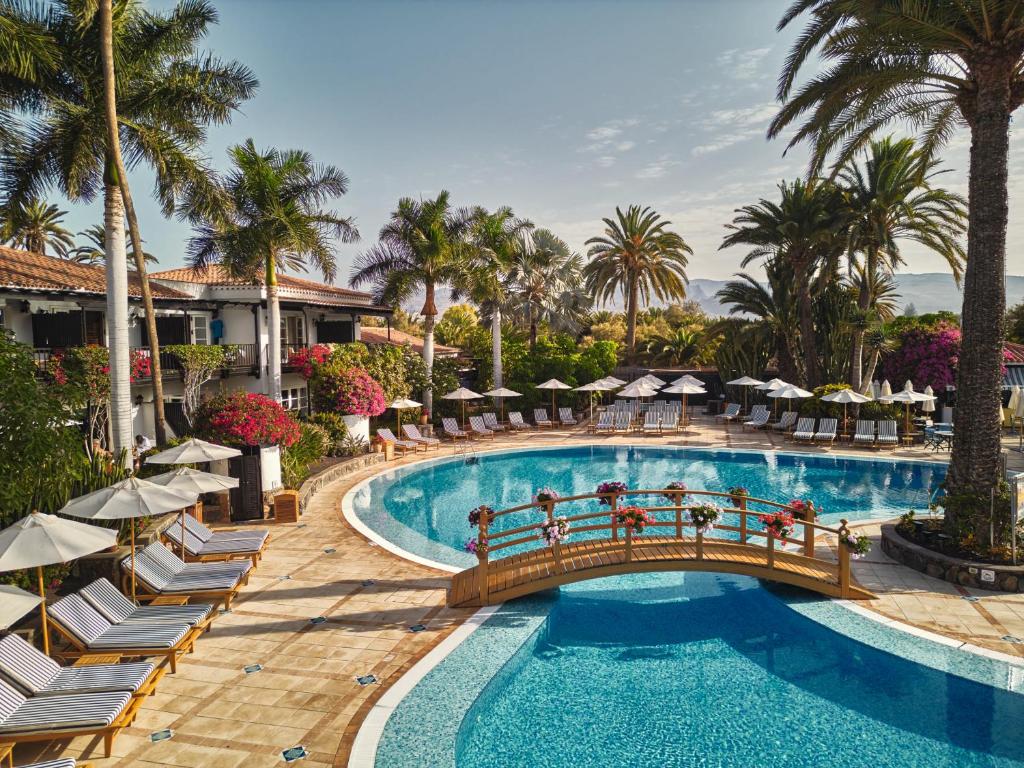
664 670
423 508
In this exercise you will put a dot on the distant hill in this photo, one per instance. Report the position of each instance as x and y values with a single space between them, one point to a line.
928 292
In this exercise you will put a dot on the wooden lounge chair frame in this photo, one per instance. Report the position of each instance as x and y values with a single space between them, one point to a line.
108 732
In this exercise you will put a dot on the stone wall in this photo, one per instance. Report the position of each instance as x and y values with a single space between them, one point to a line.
998 578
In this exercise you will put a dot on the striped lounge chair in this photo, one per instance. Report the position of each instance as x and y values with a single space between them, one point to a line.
516 421
605 422
491 422
565 416
786 422
826 431
204 545
451 428
652 422
865 433
118 609
89 632
36 674
670 421
47 718
388 436
623 421
476 426
540 418
412 432
64 762
887 433
160 572
758 417
804 429
731 412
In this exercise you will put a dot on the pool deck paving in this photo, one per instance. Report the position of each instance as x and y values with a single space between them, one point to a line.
307 693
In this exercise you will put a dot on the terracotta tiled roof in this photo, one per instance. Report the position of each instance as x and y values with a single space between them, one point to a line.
1013 353
217 275
33 271
375 335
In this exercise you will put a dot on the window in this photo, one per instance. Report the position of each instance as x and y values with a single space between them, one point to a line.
294 399
293 329
200 329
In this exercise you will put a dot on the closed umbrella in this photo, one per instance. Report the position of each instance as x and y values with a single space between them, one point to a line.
928 406
193 451
500 394
402 404
885 393
38 540
193 481
15 603
127 500
745 382
876 388
554 385
685 389
462 394
845 396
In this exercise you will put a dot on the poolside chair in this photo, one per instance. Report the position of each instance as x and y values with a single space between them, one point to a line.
118 609
216 546
540 418
63 762
48 718
652 422
405 445
36 674
758 417
201 532
605 422
565 416
804 429
412 432
826 431
158 571
88 632
451 428
515 421
887 433
732 411
864 434
476 426
491 422
623 421
785 423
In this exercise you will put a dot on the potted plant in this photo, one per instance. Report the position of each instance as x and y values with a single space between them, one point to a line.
545 495
678 491
554 531
634 518
609 487
858 545
424 417
804 508
479 512
704 517
738 495
471 545
779 524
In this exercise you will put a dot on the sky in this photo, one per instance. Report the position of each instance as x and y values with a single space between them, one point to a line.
561 109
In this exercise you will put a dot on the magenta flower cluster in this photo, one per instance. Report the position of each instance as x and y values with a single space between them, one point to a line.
358 394
926 356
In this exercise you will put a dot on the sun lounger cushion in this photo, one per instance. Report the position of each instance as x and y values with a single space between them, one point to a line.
66 762
39 675
58 713
203 533
117 609
173 564
95 632
413 433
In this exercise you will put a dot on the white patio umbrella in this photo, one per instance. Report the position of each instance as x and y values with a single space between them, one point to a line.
653 380
193 451
885 393
127 500
908 397
615 381
401 404
688 379
594 386
845 396
787 392
638 389
744 381
15 603
554 385
37 540
771 385
462 394
193 481
685 389
928 406
500 394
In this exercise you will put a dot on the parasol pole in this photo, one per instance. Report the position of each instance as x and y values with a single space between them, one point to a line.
182 534
398 422
131 525
42 611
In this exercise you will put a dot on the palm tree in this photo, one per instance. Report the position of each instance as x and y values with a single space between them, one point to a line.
93 251
273 219
35 225
166 94
935 66
544 285
804 230
677 347
892 197
638 256
423 246
495 238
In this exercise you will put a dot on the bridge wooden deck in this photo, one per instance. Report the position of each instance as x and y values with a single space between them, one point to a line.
495 580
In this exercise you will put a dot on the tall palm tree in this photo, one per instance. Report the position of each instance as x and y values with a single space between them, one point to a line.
273 219
639 256
167 92
935 66
804 230
892 197
544 285
678 346
495 238
93 251
35 225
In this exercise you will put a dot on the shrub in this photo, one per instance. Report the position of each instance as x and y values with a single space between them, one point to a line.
310 448
246 418
307 358
334 426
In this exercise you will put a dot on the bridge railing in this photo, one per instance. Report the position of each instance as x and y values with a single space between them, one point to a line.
667 520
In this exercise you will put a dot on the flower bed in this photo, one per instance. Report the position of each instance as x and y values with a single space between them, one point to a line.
247 418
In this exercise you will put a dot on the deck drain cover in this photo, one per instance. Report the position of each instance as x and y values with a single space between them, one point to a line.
318 620
163 735
1012 639
369 583
971 598
417 628
294 753
366 679
330 551
252 669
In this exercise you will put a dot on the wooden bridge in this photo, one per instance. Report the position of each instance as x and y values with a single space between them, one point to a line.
669 542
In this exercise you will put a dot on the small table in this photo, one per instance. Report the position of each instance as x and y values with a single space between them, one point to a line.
169 600
97 659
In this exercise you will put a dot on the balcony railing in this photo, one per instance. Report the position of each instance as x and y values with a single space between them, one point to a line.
240 359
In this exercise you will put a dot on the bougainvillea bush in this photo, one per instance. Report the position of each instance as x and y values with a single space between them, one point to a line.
348 390
306 360
926 356
246 418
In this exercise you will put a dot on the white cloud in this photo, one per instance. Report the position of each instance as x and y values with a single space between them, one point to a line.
625 146
606 161
743 65
603 133
657 169
733 126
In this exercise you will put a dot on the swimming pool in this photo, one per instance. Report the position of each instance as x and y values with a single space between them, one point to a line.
697 669
422 508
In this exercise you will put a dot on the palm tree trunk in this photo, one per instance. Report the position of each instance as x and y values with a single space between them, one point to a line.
273 328
533 329
117 323
788 369
496 345
429 312
807 338
974 464
631 310
869 374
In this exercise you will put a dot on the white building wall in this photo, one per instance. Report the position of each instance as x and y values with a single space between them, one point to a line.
18 322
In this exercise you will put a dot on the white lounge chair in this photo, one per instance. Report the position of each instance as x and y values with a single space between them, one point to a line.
623 421
826 431
731 412
887 433
476 426
412 432
451 428
670 421
491 422
804 429
565 416
405 445
540 418
515 421
758 417
865 433
605 422
652 422
785 423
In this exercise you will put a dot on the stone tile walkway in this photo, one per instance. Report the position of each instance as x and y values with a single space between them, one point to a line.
307 692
